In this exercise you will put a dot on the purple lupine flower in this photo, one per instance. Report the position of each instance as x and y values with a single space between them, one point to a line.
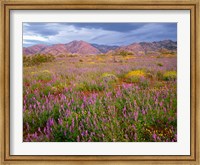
79 128
70 129
72 122
87 120
24 108
175 136
29 137
51 122
48 136
86 133
156 101
154 136
124 112
60 121
78 139
143 112
45 130
134 127
164 109
82 134
135 115
82 106
39 130
35 135
135 136
27 126
135 103
90 139
103 136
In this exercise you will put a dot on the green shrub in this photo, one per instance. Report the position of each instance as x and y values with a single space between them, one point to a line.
61 56
133 79
169 75
158 84
108 78
159 75
85 86
44 75
36 86
135 76
159 64
72 55
37 59
58 86
144 84
125 53
46 90
150 75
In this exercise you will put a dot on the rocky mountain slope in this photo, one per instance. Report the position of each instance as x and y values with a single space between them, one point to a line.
144 48
84 48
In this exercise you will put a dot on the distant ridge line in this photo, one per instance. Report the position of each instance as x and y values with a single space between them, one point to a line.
84 48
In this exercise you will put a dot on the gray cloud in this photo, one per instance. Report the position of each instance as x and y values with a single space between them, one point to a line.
99 33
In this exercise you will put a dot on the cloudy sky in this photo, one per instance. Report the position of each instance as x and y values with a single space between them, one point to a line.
99 33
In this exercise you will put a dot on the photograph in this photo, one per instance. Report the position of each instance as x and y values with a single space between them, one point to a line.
99 82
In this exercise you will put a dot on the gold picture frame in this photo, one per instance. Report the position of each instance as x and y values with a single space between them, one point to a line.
7 5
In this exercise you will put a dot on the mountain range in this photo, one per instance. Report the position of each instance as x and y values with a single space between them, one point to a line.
85 48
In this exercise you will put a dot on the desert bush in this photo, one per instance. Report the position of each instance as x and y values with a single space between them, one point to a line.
135 76
72 55
159 75
46 90
159 64
44 75
81 87
144 83
158 84
150 74
102 55
37 59
94 87
61 56
91 87
58 86
36 86
169 75
125 53
107 77
168 52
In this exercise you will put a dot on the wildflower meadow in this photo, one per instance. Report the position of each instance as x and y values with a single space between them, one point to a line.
100 98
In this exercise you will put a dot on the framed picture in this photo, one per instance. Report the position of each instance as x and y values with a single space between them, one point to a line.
113 81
